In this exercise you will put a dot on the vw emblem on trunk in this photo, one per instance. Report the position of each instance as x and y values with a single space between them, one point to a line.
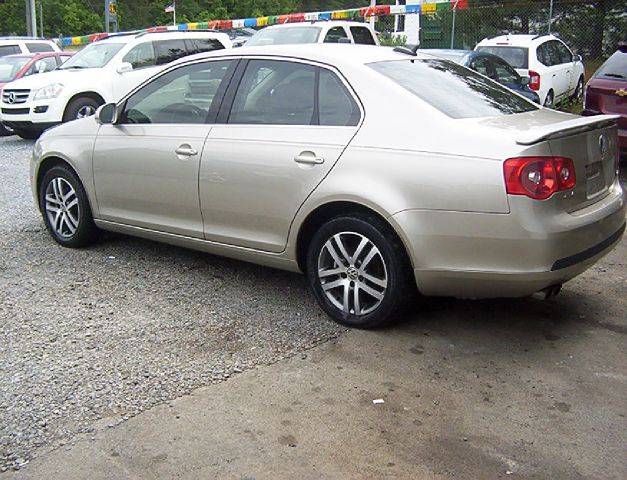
602 145
11 97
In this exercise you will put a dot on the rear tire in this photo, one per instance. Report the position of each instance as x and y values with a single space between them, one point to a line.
65 208
359 271
80 107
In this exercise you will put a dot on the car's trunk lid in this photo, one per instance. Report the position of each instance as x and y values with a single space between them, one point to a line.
591 143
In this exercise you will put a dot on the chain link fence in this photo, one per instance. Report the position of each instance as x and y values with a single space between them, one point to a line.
592 29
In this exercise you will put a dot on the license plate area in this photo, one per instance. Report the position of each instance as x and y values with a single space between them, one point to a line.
595 180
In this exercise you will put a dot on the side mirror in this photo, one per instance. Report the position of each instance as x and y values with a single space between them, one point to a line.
107 114
524 81
124 67
577 58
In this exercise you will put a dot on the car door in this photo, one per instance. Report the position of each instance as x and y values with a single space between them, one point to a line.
568 67
143 60
557 71
286 126
146 164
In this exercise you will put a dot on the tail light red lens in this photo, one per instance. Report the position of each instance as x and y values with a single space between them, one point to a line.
534 80
538 177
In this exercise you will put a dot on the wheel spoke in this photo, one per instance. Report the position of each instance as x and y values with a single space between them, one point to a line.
356 304
71 219
72 203
381 282
52 199
347 294
371 291
342 247
53 208
56 224
327 273
69 224
56 188
335 283
373 251
359 249
331 249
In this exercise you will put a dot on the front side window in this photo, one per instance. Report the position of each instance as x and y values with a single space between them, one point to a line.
95 55
140 56
275 93
363 36
43 65
184 95
206 44
284 36
564 53
39 47
480 65
335 34
454 90
169 50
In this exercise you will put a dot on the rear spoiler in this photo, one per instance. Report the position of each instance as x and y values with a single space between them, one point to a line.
565 129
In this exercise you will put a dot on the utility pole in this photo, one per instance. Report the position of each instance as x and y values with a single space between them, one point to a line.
373 3
41 19
111 15
31 18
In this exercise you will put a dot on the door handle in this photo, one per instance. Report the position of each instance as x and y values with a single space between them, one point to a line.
308 158
186 151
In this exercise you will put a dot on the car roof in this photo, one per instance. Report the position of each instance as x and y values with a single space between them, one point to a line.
128 38
337 54
39 54
518 39
330 23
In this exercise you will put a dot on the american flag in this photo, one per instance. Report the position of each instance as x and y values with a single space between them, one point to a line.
170 8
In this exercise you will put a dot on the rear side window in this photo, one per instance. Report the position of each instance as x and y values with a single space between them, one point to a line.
564 53
169 50
337 107
9 50
517 57
614 68
205 45
39 47
140 56
334 34
362 35
454 90
548 54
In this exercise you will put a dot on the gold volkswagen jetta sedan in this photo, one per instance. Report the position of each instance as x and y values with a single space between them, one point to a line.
372 171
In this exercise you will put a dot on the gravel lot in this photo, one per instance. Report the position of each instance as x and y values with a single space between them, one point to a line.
110 331
128 324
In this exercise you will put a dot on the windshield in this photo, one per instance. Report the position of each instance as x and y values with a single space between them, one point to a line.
454 90
11 66
517 57
284 36
614 68
96 55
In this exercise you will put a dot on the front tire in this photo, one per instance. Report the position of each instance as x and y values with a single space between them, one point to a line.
65 208
80 107
359 271
578 93
549 99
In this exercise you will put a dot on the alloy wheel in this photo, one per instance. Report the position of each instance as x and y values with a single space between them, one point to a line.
85 111
62 207
352 273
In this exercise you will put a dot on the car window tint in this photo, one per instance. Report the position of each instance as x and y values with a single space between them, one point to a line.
363 36
206 44
39 47
9 50
184 95
551 54
517 57
454 90
140 56
480 65
334 34
564 53
43 65
284 95
169 50
615 67
336 106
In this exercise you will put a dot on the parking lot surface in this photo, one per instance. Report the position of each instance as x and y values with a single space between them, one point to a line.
93 339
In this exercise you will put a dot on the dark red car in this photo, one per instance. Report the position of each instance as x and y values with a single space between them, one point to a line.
17 66
606 92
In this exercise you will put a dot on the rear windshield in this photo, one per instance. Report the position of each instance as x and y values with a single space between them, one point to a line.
614 68
517 57
284 36
454 90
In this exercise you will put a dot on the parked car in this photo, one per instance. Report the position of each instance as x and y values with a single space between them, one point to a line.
13 45
606 92
101 72
13 67
554 72
239 36
491 66
472 191
315 32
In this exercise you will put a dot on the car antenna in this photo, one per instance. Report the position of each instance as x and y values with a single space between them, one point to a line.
408 51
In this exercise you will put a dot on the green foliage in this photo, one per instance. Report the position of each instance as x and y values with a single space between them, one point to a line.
388 39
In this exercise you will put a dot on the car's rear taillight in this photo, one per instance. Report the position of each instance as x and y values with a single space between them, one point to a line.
534 80
538 177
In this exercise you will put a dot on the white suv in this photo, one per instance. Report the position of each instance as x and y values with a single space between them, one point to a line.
14 45
315 32
102 72
553 71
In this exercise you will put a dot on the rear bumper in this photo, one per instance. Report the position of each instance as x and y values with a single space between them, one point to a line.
476 255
